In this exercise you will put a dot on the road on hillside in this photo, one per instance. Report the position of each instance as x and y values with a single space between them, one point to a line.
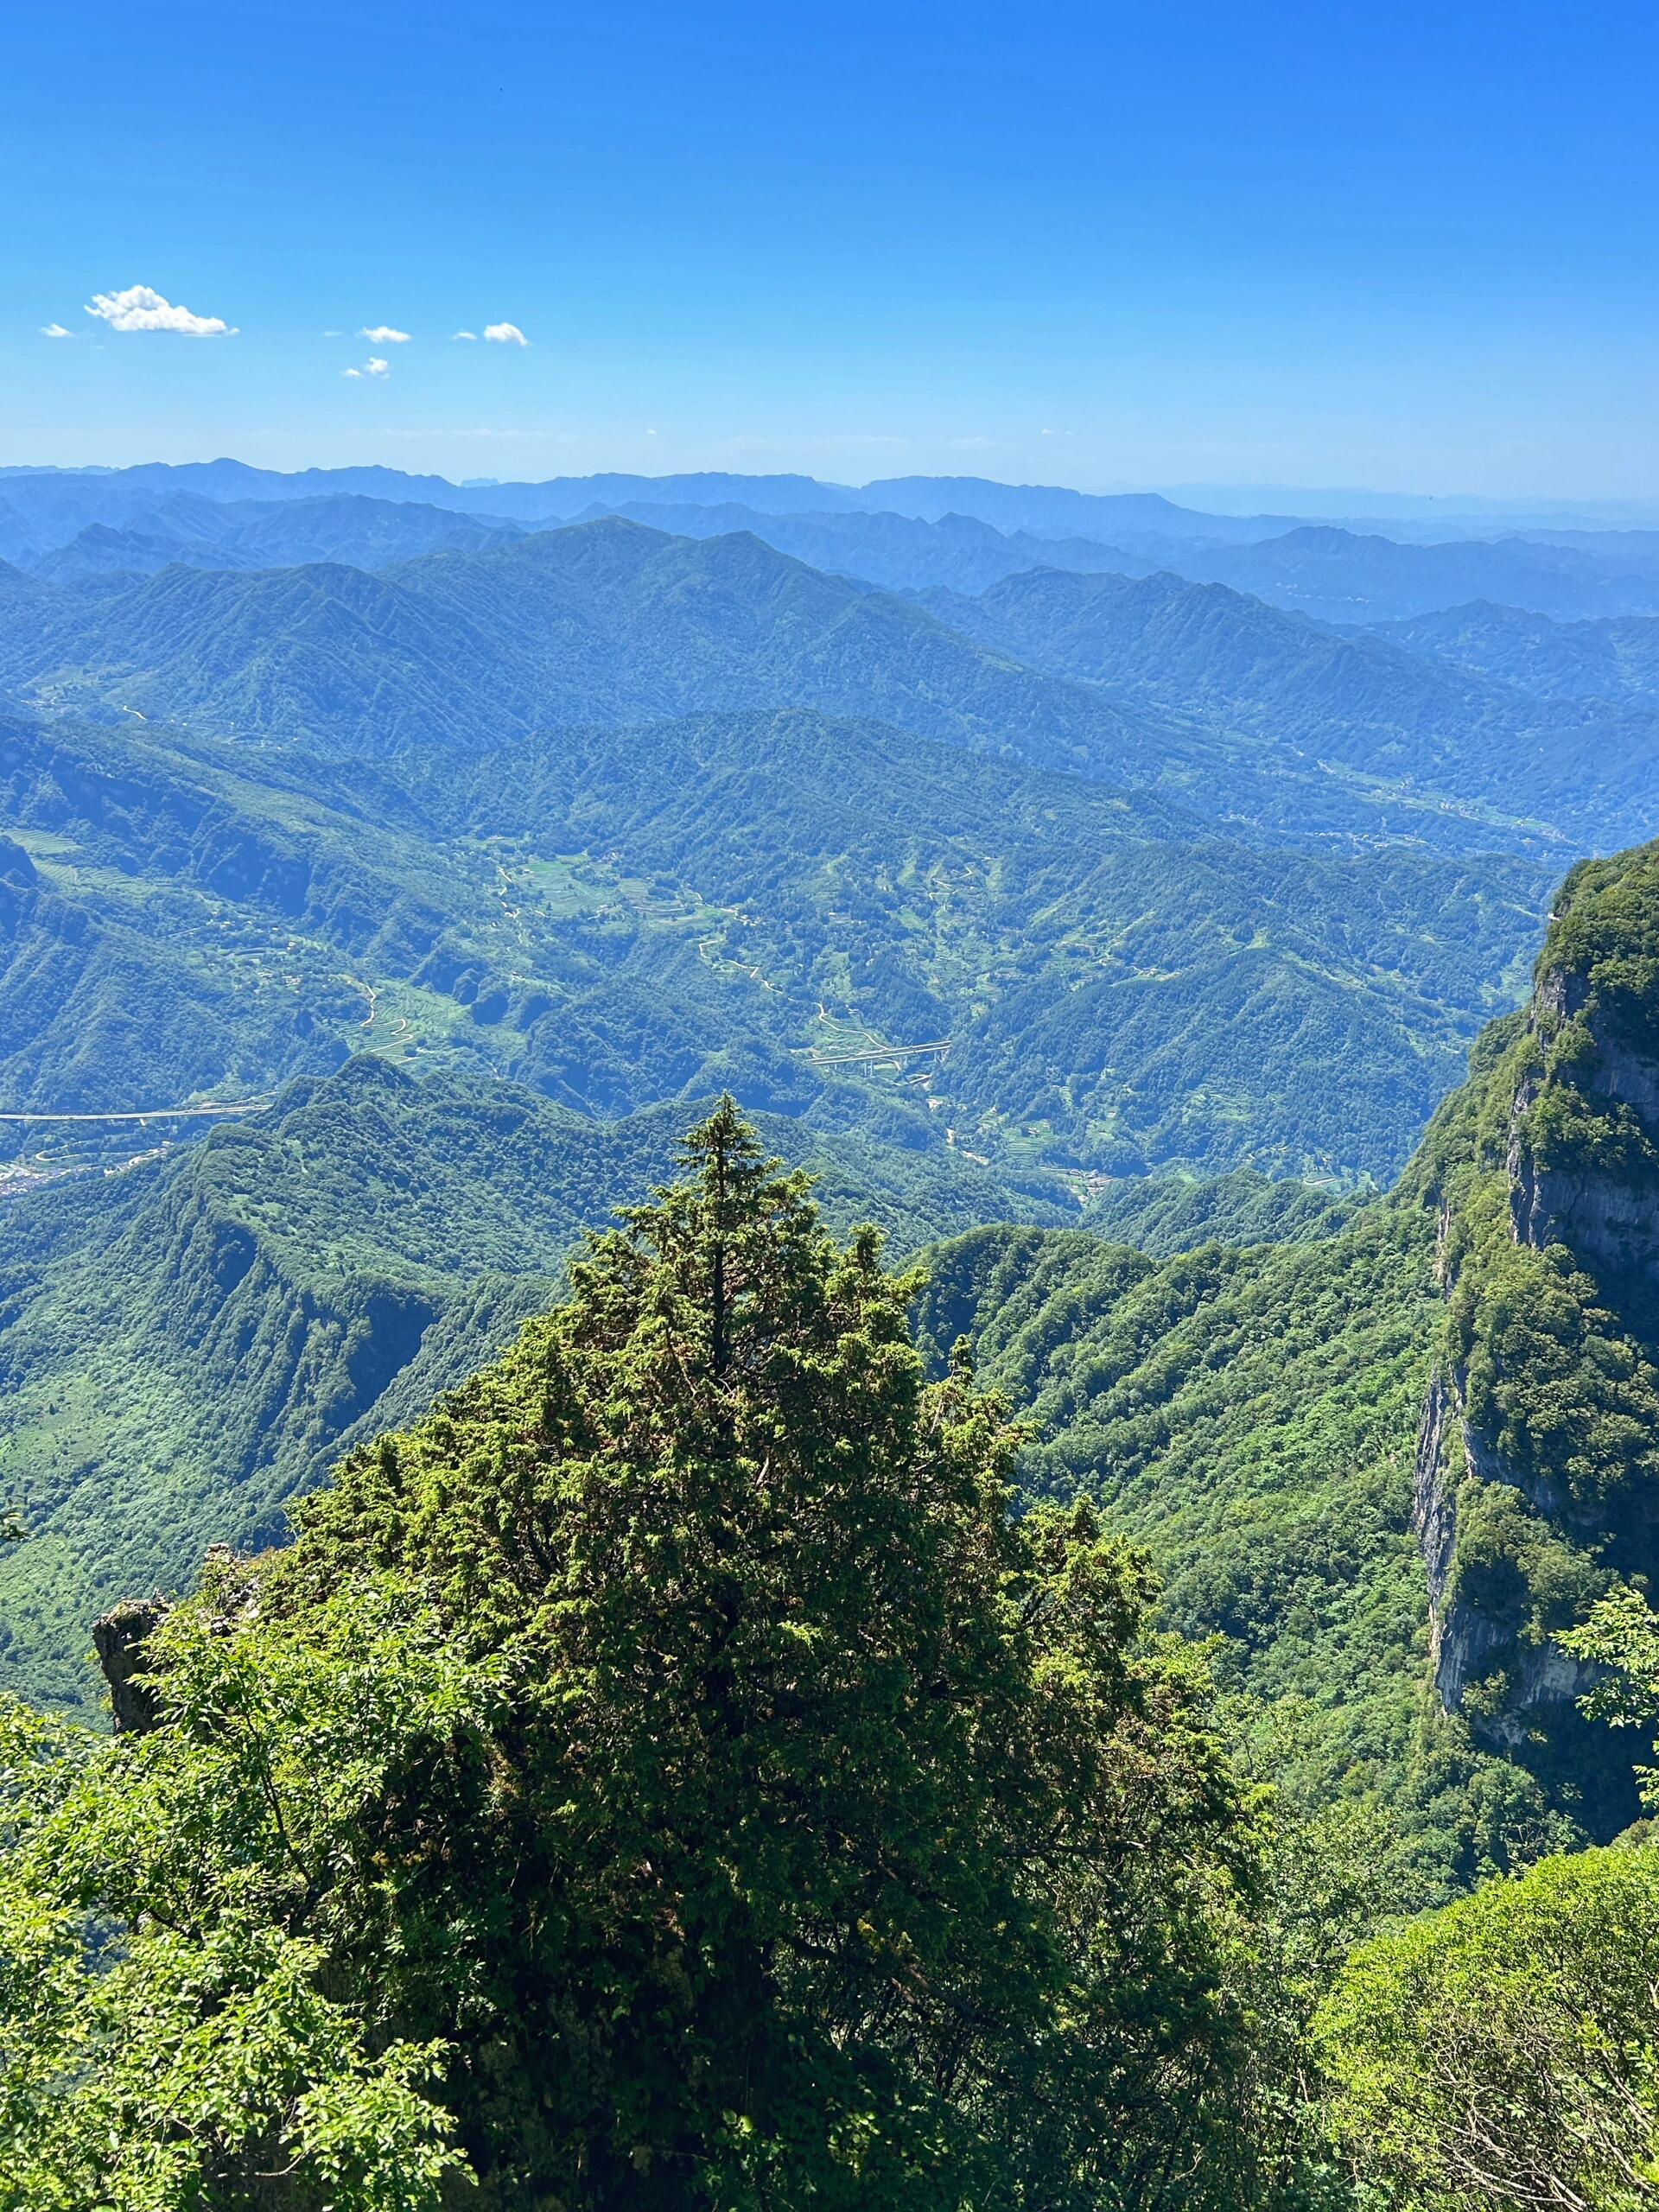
147 1113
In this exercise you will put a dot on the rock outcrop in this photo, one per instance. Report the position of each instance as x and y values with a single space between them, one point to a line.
1536 1481
121 1640
1602 1201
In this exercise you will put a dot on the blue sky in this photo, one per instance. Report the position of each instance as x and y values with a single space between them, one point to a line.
1106 245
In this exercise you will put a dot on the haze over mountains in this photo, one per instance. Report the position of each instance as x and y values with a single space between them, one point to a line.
236 623
1023 855
216 514
282 747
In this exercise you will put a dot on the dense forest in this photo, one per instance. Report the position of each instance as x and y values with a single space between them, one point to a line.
673 1774
849 1365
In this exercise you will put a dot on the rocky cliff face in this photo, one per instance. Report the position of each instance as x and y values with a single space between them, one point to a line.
1601 1201
120 1638
1536 1479
1473 1645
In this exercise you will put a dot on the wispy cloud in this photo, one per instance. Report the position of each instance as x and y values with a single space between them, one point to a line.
55 330
470 334
140 307
504 334
382 333
370 368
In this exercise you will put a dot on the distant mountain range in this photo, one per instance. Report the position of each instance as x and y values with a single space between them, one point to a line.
907 534
1615 658
607 622
1095 867
1420 702
1233 709
1139 846
1048 511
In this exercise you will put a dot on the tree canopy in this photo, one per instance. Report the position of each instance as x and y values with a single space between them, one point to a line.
1501 2053
671 1776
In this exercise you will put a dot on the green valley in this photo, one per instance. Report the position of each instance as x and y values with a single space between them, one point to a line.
629 917
1149 965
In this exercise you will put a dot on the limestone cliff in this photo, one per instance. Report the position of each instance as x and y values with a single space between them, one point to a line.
1537 1468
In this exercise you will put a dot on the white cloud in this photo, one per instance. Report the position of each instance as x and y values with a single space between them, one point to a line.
383 334
139 308
650 434
504 334
55 330
370 368
472 335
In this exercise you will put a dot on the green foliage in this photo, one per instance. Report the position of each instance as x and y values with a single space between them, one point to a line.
1516 1568
1566 1396
1605 931
671 1776
185 1345
1166 1214
1332 1876
1501 2052
619 918
173 2037
1251 1418
1117 993
1619 1637
1546 1179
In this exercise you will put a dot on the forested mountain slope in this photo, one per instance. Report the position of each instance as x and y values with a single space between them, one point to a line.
1615 659
608 622
1398 705
1249 1416
622 917
1399 1454
501 856
1416 1451
1537 1473
1252 718
1396 1456
1164 1214
184 1344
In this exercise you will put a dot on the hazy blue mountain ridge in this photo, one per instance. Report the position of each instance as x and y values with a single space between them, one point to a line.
1615 658
607 622
1341 575
1368 700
